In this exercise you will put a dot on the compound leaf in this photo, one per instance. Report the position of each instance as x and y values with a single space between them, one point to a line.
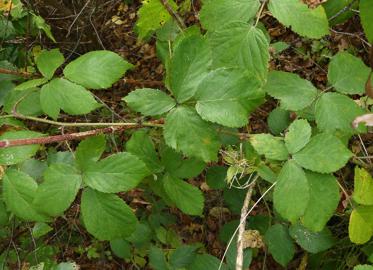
149 101
96 69
227 96
291 194
188 198
294 92
185 131
280 244
19 190
366 13
313 242
312 23
269 146
90 150
48 62
151 16
241 45
215 13
360 228
141 145
324 199
58 190
348 74
363 187
298 136
335 111
106 216
62 94
116 173
325 153
189 65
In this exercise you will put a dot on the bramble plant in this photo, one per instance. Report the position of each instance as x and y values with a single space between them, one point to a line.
217 75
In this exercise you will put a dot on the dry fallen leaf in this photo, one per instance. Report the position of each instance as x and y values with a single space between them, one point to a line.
367 119
5 5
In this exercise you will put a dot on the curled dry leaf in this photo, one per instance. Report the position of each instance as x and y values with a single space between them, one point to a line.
252 239
366 118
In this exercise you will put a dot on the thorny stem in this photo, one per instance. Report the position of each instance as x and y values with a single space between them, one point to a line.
16 73
60 138
108 128
241 230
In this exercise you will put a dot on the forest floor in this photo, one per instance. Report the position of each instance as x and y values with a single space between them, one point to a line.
110 25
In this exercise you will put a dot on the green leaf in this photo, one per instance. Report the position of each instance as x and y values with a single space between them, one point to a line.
188 198
294 92
313 242
27 102
62 94
106 216
182 256
348 74
216 177
116 173
205 261
18 154
157 259
179 166
324 199
151 16
189 65
278 120
40 229
333 7
325 153
360 228
142 235
280 244
19 191
121 248
4 217
141 145
48 62
149 101
292 193
363 187
6 89
241 45
298 136
58 190
30 84
335 111
97 69
227 96
90 150
232 256
305 21
185 131
269 146
366 13
215 13
40 24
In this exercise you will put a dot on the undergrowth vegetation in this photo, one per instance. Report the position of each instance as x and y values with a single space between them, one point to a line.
140 178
